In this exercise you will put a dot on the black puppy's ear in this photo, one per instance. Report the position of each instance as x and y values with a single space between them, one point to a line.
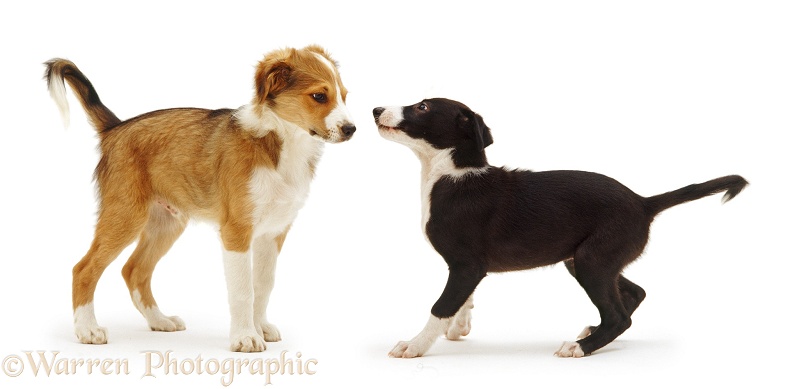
484 137
478 130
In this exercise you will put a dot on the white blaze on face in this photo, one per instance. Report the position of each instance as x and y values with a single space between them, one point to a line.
339 116
391 116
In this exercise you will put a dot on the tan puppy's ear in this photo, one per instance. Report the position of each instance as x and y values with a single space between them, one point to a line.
272 76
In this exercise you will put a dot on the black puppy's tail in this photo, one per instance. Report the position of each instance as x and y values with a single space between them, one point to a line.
731 184
60 71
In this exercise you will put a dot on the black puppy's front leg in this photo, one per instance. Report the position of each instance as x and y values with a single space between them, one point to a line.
461 284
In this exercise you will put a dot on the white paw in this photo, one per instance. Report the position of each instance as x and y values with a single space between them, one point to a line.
570 350
412 349
157 321
166 323
85 326
91 335
458 328
460 324
268 331
252 343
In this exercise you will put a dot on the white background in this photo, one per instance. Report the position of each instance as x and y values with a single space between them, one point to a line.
657 95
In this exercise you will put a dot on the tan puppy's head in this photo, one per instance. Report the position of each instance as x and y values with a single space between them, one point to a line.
303 87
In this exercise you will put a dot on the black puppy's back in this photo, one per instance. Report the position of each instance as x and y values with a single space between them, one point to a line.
516 219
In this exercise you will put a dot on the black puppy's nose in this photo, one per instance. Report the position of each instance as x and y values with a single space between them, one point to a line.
348 129
377 112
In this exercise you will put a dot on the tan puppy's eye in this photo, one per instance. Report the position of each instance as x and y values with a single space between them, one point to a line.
320 97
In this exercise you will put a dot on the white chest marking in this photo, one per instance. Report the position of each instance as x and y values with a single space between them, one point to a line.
436 164
278 194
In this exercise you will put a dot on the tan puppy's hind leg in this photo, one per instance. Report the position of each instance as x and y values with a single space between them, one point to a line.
118 226
165 224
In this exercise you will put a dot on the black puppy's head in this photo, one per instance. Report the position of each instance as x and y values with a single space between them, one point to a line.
433 125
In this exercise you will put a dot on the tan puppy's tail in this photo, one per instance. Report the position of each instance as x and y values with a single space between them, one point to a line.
60 70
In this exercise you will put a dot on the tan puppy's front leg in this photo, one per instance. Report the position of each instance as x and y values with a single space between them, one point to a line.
266 251
240 289
240 293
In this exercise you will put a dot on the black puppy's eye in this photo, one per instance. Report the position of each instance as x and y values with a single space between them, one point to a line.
320 97
422 107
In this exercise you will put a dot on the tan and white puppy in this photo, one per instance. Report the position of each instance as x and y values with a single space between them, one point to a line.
248 170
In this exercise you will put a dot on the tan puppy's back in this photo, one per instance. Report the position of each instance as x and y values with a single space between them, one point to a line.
186 157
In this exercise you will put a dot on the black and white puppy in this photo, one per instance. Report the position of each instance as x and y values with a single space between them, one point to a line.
482 219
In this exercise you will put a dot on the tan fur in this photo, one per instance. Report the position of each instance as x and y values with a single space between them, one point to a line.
291 97
162 168
168 159
59 70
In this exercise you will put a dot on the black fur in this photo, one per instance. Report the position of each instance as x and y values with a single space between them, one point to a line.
498 220
447 124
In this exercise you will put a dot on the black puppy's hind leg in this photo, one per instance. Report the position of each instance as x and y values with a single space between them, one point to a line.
456 295
570 265
600 280
631 296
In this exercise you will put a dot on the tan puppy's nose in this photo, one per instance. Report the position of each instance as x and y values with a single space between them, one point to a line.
348 129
